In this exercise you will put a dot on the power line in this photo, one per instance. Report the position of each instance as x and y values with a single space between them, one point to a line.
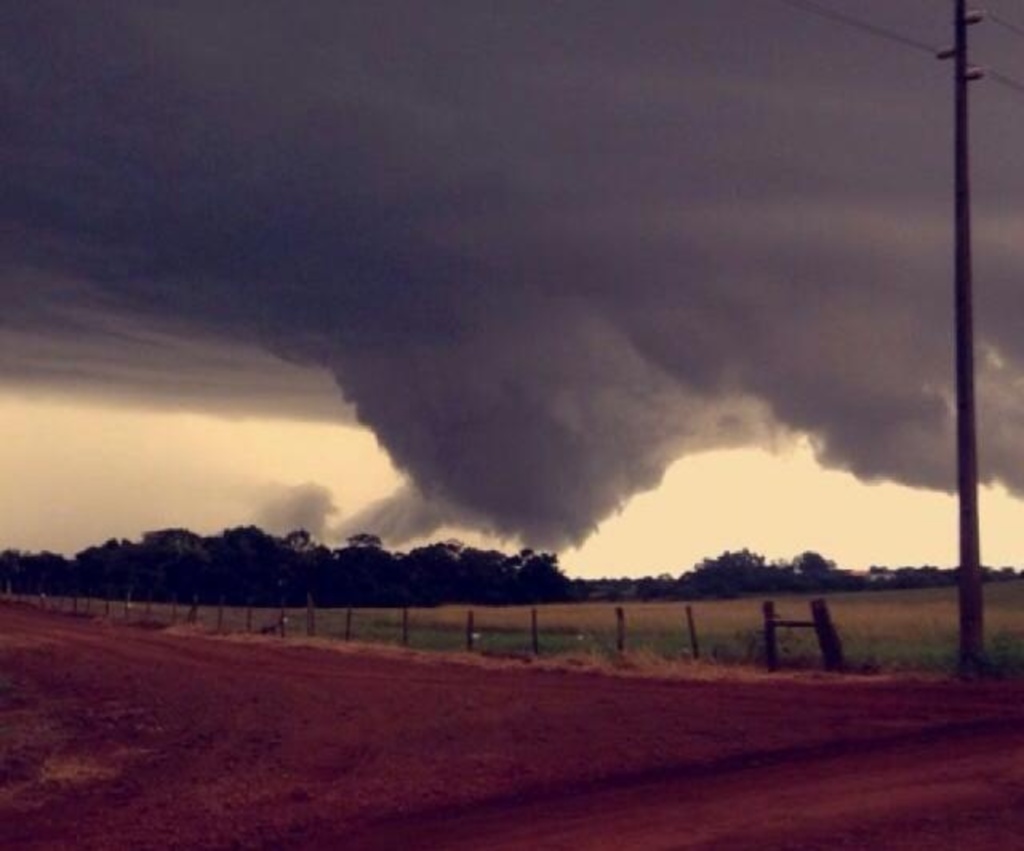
857 23
1005 24
997 77
1006 81
895 37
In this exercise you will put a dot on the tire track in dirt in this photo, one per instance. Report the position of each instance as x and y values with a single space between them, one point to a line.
901 795
264 743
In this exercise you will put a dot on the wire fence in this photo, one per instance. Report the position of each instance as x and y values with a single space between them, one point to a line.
666 630
881 631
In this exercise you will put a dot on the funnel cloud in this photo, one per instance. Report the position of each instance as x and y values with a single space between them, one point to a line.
540 249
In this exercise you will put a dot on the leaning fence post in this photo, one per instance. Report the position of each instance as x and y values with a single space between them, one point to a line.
106 606
310 614
694 646
828 637
620 629
127 604
771 649
193 613
348 624
283 619
469 630
534 634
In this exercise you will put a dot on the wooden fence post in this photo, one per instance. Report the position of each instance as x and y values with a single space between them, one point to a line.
620 629
348 624
469 630
310 614
534 633
106 606
771 647
828 637
694 646
127 604
405 626
193 613
283 619
220 614
74 605
149 605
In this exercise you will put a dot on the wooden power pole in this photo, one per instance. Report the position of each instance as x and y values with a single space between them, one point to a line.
972 633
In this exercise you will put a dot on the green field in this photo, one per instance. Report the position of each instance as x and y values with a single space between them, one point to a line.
881 631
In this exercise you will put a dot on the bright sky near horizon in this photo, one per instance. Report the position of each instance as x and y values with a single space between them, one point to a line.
77 474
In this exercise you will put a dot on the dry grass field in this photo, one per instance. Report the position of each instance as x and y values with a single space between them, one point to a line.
889 631
881 631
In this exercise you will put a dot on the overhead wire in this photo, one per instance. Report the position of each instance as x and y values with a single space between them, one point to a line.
998 77
1005 81
1016 29
853 22
891 35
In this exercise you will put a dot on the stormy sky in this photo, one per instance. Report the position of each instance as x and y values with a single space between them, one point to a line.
540 249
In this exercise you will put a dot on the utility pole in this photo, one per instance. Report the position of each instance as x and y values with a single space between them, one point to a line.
972 632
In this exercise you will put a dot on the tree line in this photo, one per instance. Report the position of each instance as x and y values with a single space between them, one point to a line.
247 566
743 573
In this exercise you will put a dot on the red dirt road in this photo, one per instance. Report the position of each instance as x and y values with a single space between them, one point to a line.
116 737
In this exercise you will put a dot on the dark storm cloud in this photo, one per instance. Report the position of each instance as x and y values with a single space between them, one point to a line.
58 339
543 248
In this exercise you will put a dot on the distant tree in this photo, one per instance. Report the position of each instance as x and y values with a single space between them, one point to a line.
247 564
661 587
51 573
813 566
728 575
106 570
364 539
170 562
434 574
365 574
539 579
11 571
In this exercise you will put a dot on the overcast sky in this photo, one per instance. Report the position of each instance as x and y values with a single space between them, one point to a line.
507 264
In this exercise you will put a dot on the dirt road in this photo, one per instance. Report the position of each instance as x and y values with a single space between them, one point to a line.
115 737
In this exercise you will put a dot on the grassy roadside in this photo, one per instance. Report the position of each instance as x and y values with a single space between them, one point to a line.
886 631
